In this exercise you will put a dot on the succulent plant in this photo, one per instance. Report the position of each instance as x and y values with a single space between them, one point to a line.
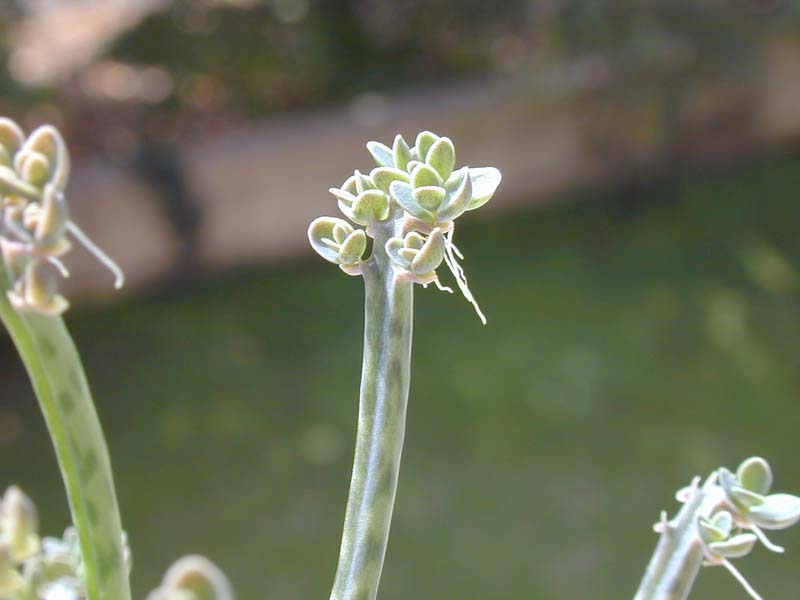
407 205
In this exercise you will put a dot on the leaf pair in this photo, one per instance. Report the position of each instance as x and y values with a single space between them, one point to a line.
361 200
27 165
748 491
716 535
336 241
417 255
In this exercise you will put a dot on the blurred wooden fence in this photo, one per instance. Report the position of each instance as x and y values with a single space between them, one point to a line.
258 189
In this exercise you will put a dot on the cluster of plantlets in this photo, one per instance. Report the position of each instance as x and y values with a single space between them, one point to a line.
91 562
407 205
720 520
35 226
415 195
32 568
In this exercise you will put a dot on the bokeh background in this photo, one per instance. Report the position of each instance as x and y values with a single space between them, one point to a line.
638 266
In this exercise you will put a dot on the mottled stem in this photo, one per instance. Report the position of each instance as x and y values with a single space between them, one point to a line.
58 379
381 424
679 554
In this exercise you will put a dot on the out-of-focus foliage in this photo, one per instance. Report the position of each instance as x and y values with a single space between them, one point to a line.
196 66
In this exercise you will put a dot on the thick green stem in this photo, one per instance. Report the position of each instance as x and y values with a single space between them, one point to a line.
679 554
58 379
381 425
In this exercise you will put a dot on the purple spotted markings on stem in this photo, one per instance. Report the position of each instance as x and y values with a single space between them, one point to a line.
35 226
420 189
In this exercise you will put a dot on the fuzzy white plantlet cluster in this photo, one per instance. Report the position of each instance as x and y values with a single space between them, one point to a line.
420 186
35 228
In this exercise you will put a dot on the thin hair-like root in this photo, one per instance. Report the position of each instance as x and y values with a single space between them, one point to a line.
450 253
740 578
105 259
60 266
762 537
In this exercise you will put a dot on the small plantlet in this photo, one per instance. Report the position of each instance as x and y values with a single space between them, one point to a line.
35 228
414 194
408 205
720 520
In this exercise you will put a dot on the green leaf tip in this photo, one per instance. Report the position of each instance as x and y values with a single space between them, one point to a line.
755 475
442 157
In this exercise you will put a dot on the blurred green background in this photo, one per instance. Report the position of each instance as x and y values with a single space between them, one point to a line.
640 332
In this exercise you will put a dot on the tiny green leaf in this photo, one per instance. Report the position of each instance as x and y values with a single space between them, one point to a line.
401 152
371 204
52 225
776 512
11 136
717 528
199 576
321 229
349 185
393 247
414 240
353 247
340 232
442 157
457 200
429 197
755 475
723 520
425 175
408 254
48 141
10 183
383 177
430 255
383 155
413 164
34 168
484 183
403 194
734 547
744 499
425 139
343 195
362 182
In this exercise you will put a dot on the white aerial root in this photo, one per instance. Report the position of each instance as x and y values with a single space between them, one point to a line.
450 253
443 288
736 575
762 537
77 232
60 266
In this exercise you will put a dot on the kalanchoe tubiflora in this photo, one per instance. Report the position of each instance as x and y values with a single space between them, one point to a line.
719 521
408 205
419 188
35 227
